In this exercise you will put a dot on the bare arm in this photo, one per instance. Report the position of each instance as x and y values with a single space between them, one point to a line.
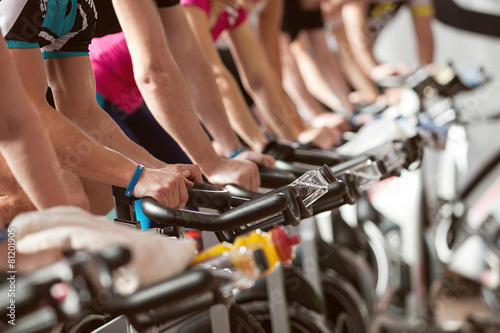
326 60
356 26
262 83
24 142
83 110
425 39
238 112
294 85
83 155
163 87
365 89
197 71
268 31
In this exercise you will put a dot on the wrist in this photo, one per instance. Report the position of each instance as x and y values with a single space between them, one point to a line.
214 167
226 149
134 180
237 151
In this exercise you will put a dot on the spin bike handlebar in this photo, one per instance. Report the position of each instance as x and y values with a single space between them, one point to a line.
293 152
251 211
30 289
188 292
196 289
82 273
274 178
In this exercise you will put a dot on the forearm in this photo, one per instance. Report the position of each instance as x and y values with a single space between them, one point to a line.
102 128
271 101
425 39
358 36
239 115
331 70
262 83
268 30
209 106
296 89
176 115
84 111
294 85
202 88
79 153
358 80
313 78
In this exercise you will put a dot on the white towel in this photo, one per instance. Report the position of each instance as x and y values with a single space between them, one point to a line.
154 257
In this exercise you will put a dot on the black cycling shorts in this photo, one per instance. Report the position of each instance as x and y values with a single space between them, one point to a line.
296 19
108 22
61 28
167 3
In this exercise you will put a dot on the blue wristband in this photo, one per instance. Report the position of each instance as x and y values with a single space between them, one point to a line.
134 180
237 151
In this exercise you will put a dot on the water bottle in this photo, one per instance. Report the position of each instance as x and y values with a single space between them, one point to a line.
313 184
250 257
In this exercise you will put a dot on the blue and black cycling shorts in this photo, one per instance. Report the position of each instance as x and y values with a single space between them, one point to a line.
60 28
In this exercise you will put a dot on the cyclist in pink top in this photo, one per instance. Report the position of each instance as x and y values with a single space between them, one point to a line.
208 19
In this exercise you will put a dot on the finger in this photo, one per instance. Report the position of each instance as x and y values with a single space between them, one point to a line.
174 194
196 175
183 195
186 173
257 180
163 198
270 162
190 184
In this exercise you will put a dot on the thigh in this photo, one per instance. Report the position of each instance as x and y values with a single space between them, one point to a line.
13 200
99 196
76 190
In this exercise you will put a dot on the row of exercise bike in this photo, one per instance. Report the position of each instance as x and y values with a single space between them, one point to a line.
369 260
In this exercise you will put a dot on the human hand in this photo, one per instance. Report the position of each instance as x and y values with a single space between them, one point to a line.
30 262
261 159
362 97
383 71
167 187
391 96
239 172
323 137
190 171
330 120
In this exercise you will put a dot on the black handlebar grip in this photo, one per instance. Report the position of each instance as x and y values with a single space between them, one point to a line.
273 178
239 192
116 256
252 211
162 293
205 195
318 157
296 170
345 166
279 151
